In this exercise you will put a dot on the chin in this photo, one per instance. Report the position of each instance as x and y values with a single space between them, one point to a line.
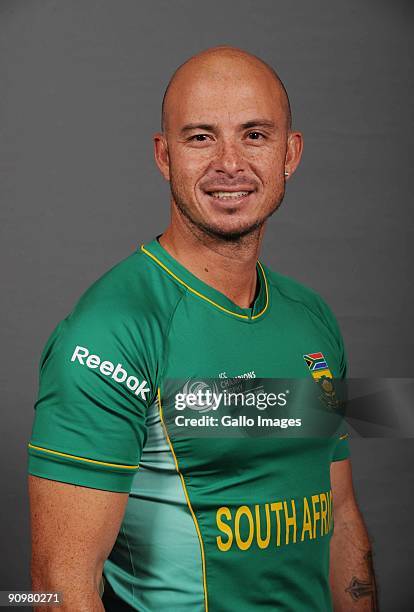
231 232
222 226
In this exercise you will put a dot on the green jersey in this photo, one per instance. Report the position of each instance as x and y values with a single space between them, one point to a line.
210 524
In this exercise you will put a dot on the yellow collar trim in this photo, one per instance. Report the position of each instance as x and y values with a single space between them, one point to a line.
204 297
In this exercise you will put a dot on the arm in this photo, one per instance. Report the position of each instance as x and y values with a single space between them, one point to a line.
73 531
351 568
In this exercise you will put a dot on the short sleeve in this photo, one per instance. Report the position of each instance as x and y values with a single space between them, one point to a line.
341 449
89 425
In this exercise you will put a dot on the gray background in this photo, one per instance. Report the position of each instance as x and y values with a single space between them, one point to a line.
81 86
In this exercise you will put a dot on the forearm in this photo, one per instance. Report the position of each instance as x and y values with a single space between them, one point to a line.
73 530
352 576
77 593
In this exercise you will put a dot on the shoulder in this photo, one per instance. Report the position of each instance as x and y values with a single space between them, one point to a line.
126 310
130 288
302 297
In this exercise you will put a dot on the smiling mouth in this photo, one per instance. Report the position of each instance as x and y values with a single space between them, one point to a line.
229 195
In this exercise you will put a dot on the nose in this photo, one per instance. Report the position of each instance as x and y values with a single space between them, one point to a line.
228 159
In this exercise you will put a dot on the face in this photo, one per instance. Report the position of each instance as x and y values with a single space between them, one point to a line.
226 149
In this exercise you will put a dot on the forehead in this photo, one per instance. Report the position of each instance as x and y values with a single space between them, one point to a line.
231 93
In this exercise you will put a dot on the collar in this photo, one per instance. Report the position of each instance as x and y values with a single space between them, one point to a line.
193 284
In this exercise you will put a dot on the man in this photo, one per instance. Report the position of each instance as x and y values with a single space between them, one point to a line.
178 522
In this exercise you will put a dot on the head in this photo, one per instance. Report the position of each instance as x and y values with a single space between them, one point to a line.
227 145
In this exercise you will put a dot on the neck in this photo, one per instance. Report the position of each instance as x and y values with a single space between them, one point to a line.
229 267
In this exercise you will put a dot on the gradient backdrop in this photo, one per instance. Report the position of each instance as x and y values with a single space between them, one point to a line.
81 87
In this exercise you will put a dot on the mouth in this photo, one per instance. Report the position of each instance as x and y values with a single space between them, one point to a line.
228 195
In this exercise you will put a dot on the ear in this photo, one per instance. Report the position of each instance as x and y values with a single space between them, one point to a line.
293 152
161 154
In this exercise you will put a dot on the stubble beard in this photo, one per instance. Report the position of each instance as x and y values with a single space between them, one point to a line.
234 235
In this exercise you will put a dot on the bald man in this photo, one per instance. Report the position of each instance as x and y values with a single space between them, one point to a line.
174 520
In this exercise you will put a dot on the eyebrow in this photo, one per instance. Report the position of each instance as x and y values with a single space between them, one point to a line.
258 123
209 127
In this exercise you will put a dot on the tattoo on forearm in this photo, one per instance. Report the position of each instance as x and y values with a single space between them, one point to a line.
361 588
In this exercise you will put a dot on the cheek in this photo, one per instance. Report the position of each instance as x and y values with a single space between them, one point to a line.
269 170
188 169
268 173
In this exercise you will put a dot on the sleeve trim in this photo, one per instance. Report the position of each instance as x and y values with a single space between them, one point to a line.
115 465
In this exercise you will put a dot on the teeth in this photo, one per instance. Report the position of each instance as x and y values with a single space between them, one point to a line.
229 194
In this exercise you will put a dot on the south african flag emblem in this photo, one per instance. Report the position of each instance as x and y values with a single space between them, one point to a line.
317 365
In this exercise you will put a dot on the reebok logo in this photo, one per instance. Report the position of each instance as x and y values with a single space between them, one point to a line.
107 368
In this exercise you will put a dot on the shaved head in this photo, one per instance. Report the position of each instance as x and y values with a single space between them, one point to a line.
226 146
219 62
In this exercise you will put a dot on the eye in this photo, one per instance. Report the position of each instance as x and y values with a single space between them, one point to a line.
199 137
255 135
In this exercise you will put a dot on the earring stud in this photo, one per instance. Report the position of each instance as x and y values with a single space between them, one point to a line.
286 173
